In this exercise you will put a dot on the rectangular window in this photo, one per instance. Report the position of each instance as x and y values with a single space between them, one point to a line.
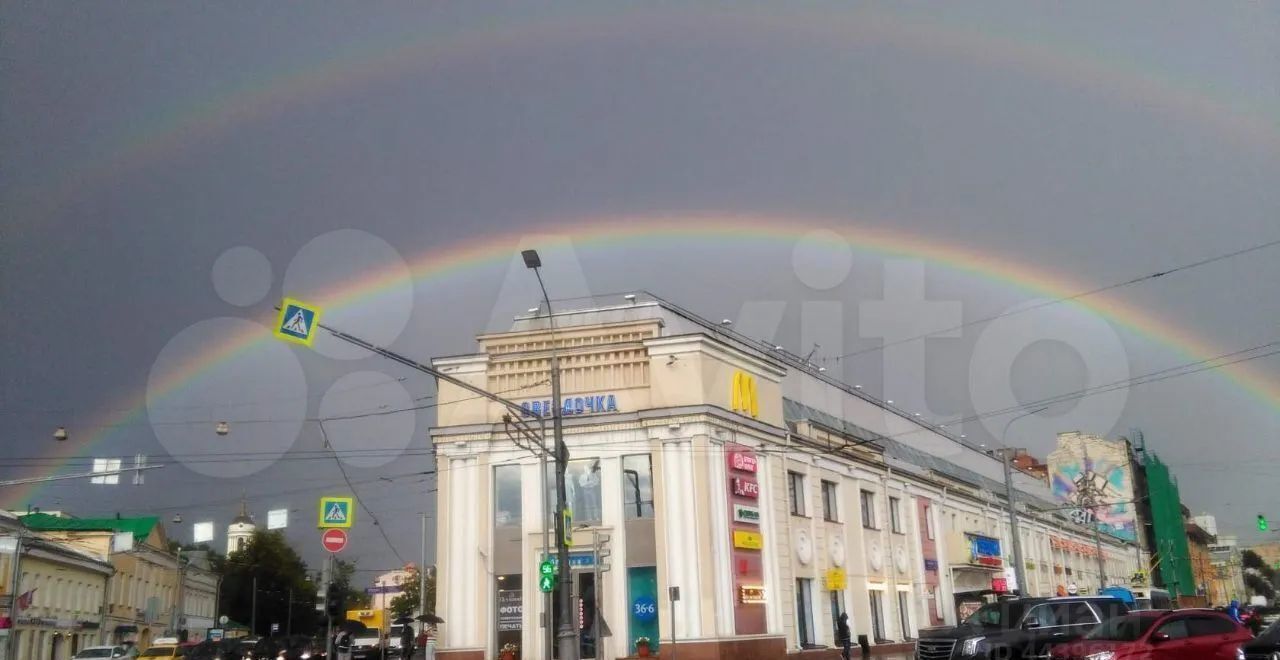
868 500
582 490
837 608
804 611
637 486
877 616
928 521
795 489
506 496
904 613
895 515
830 509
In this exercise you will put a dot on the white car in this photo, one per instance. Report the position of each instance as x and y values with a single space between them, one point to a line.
101 652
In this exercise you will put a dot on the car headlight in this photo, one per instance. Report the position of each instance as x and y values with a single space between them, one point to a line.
973 646
1101 655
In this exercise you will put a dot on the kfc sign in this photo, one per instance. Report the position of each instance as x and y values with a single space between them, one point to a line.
742 461
746 487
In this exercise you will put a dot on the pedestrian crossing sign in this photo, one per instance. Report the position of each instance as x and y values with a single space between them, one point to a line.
297 322
336 511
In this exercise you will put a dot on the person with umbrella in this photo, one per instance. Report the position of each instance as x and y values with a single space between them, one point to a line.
406 635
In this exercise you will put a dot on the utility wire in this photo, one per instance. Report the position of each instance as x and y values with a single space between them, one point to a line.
360 500
1075 296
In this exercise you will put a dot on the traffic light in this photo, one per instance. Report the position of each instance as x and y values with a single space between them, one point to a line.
333 603
1262 523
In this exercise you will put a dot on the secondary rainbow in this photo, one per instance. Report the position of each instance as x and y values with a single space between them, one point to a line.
195 121
440 262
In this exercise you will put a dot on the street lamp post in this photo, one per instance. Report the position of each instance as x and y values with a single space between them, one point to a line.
1019 570
566 637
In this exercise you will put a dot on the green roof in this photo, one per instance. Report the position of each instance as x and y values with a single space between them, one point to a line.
139 527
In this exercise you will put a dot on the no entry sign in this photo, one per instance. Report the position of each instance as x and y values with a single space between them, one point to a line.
334 540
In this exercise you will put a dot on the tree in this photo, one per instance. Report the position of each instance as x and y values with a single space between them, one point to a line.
406 604
1258 585
343 575
275 569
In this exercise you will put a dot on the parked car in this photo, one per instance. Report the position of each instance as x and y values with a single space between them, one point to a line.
1017 628
101 652
1266 646
165 651
1160 635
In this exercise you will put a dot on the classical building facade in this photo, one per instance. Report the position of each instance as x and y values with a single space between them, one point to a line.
773 496
143 591
55 609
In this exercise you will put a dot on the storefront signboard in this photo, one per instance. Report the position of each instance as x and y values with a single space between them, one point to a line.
984 551
510 610
836 579
746 514
747 540
743 461
575 405
745 487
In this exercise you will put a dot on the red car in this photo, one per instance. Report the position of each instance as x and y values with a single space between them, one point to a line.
1160 635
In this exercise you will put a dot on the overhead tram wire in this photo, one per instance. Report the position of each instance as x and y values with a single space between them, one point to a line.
360 500
1184 369
1075 296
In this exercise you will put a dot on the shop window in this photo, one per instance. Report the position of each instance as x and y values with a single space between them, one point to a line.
795 491
582 490
830 502
804 612
637 486
642 599
508 612
868 501
507 497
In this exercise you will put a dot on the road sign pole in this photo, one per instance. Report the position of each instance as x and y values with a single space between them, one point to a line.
330 651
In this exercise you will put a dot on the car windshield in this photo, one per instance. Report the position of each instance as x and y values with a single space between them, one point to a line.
1123 628
990 616
94 653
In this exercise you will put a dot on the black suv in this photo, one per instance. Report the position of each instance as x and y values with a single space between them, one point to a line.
1017 629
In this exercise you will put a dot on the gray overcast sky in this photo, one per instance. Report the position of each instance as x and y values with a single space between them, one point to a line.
1081 144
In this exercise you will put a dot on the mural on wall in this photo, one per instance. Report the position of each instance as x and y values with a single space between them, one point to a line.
1084 461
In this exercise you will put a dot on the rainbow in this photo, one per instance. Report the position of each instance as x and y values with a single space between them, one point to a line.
435 265
195 121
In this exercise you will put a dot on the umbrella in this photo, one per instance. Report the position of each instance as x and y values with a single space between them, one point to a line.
430 618
352 626
402 621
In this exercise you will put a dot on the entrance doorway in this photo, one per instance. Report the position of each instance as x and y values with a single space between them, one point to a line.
584 599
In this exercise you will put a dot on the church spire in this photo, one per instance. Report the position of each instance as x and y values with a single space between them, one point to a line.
244 517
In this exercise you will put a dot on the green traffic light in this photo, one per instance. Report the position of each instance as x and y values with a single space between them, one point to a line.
1262 523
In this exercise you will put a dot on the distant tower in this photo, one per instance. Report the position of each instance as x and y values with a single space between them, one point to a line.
241 529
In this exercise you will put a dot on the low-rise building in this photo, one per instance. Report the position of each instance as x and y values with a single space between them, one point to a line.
55 609
143 591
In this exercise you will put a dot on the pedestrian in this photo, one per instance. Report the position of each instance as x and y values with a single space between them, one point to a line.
1233 611
406 641
843 636
342 644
